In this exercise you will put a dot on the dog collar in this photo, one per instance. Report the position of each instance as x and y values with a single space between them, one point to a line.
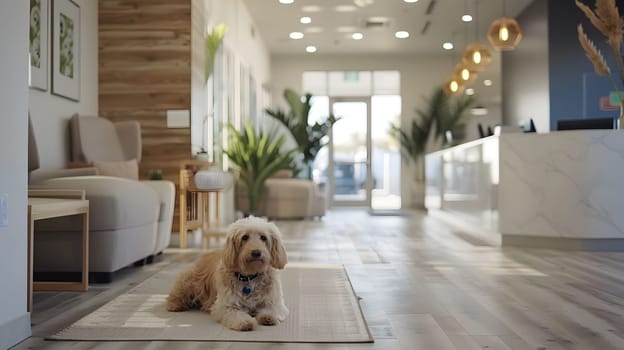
245 278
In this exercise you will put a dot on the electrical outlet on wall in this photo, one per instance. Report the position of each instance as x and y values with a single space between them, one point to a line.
4 215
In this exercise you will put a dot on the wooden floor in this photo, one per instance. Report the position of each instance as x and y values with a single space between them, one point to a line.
424 285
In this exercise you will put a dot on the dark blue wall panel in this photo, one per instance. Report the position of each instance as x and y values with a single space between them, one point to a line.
574 87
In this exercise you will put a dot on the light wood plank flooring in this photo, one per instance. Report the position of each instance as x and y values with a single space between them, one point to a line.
424 285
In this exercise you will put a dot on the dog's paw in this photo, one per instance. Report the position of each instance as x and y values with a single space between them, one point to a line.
267 319
246 325
176 307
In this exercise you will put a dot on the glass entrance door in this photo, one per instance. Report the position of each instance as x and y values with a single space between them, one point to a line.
349 170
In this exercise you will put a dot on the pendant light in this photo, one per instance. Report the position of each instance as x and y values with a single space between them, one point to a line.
504 33
477 56
463 73
453 87
454 84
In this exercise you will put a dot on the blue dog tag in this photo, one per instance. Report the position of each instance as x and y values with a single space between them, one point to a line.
246 290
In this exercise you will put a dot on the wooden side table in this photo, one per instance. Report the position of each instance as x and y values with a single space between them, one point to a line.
196 214
46 204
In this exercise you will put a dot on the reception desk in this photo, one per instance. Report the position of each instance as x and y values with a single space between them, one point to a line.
557 190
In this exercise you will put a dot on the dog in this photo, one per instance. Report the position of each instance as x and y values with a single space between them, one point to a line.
238 285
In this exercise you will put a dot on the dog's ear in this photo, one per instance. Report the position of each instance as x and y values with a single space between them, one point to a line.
278 253
230 253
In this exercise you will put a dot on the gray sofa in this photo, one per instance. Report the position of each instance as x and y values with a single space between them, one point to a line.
130 220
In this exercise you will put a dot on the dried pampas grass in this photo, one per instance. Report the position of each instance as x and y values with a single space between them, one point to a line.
594 55
606 18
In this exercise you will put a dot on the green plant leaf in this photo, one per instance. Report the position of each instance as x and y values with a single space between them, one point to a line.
212 42
442 113
309 138
256 155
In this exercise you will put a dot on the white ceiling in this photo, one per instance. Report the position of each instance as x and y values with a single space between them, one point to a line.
275 21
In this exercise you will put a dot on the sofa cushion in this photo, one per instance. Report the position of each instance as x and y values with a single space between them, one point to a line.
128 169
101 134
114 203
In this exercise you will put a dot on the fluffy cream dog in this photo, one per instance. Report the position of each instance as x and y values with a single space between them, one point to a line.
239 285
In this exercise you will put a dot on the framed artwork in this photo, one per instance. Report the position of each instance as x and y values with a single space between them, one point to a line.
66 49
38 46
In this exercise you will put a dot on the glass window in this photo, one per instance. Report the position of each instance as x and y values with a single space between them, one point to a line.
350 83
386 83
319 110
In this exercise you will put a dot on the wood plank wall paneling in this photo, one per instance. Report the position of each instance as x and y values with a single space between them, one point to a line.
145 70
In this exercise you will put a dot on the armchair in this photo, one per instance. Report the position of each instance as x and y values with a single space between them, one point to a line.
130 220
95 140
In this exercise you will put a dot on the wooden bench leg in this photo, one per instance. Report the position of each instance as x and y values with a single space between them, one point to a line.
182 218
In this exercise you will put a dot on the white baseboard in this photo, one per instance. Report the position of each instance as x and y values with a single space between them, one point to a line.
14 331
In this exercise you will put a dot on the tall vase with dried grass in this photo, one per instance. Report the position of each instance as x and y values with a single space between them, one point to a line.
606 18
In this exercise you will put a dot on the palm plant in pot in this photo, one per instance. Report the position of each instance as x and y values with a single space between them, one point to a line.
256 156
443 113
310 138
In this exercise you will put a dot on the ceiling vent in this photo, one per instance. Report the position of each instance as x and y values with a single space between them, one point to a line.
431 7
425 27
377 22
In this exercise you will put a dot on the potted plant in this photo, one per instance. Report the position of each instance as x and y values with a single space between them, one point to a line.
256 155
443 113
155 174
450 115
310 138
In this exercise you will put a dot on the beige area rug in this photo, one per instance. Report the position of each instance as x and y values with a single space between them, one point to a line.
322 304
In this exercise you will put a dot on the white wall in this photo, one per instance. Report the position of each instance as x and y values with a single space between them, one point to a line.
14 320
525 71
246 45
199 91
248 50
419 76
50 113
241 37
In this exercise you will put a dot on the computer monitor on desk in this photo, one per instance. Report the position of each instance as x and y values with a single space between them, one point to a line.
580 124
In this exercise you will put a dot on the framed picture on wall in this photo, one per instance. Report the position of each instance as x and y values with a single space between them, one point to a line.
38 46
66 49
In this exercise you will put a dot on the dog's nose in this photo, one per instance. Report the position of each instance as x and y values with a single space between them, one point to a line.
256 254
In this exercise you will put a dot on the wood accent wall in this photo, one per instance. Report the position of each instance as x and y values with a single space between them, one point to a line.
145 70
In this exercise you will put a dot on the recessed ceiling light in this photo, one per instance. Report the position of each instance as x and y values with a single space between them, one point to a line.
311 48
378 19
470 91
305 20
487 82
447 46
345 8
311 8
296 35
467 18
286 2
363 3
410 1
357 36
401 34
